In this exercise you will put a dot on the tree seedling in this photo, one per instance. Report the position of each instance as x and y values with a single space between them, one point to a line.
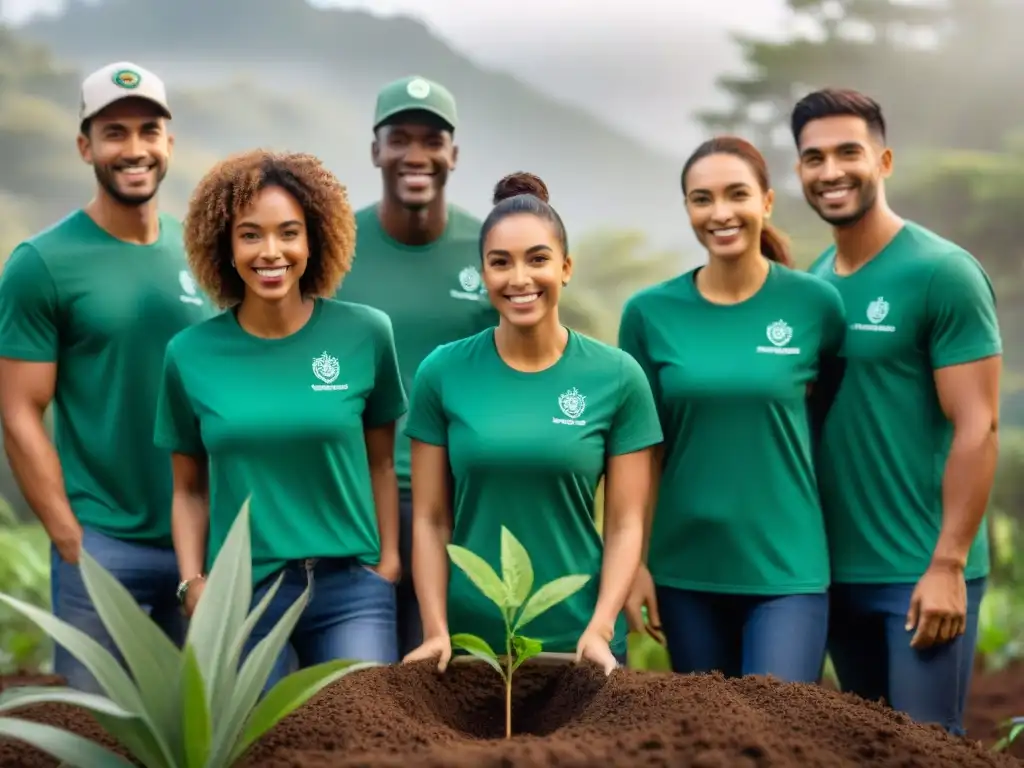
511 595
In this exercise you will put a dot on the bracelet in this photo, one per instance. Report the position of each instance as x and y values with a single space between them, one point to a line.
184 585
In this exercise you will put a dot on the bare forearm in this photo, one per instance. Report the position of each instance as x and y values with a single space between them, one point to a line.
190 527
37 470
966 485
430 574
657 457
385 497
623 543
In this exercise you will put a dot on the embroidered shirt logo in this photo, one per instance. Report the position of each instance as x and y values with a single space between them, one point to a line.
327 369
878 310
572 404
189 291
779 334
471 285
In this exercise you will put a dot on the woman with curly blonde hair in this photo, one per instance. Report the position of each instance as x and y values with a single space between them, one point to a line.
288 398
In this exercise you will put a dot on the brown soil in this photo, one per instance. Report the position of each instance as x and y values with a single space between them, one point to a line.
409 717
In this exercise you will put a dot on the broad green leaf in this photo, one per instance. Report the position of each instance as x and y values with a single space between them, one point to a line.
550 595
253 677
149 653
62 745
222 610
16 698
526 648
196 727
478 647
480 573
290 693
110 675
516 569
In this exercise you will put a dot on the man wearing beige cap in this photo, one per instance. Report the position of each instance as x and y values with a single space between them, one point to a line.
87 307
417 259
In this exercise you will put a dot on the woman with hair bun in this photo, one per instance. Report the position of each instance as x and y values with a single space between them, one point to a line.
737 564
525 419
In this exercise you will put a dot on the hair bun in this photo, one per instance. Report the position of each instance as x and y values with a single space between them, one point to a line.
521 183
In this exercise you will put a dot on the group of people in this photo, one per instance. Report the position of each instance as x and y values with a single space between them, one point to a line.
793 462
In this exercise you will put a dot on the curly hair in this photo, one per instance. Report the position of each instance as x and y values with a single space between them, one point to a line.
232 185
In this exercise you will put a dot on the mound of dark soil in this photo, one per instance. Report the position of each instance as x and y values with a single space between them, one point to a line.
410 717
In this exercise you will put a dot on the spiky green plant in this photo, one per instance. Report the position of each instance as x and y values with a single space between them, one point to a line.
1013 727
185 708
511 595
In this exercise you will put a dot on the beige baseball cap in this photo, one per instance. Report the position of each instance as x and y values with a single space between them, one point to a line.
121 80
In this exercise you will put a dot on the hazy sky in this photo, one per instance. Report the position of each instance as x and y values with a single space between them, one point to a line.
642 65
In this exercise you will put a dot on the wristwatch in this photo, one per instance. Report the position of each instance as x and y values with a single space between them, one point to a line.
183 587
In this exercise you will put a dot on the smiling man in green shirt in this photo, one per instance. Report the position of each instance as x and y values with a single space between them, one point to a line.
909 449
417 260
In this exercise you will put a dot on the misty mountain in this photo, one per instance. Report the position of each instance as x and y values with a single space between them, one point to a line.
286 75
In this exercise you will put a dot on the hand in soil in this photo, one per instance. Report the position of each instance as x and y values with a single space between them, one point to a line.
938 606
438 647
642 596
594 648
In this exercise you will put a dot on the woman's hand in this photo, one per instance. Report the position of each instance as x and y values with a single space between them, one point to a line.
642 595
593 646
437 647
192 595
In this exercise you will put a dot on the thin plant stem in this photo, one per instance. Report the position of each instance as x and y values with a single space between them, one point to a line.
508 686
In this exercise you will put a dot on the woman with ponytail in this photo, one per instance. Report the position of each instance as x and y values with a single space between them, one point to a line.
743 358
515 427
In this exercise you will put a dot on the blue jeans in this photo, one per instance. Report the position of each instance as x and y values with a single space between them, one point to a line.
871 652
150 574
410 625
350 615
740 635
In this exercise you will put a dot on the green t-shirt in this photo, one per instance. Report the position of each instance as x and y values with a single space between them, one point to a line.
527 451
923 303
103 310
284 420
738 508
432 293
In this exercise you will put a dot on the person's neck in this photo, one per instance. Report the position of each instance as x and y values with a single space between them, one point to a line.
533 348
730 281
136 224
420 226
860 242
274 319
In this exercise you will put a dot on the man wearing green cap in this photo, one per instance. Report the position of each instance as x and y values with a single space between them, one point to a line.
417 259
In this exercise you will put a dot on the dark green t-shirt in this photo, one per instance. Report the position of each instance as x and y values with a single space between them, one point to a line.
527 451
103 310
923 303
285 421
738 508
432 293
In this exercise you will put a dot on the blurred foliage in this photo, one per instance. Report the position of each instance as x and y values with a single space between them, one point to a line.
25 575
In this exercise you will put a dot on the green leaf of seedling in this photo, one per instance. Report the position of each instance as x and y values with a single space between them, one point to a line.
478 647
480 573
67 747
526 648
289 694
197 727
550 595
516 569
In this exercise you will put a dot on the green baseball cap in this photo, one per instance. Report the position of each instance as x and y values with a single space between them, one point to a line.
415 93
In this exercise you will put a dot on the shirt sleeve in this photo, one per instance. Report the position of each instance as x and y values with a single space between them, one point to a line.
29 311
177 427
963 326
427 420
633 341
635 425
387 402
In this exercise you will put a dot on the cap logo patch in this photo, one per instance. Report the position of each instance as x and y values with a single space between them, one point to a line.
418 88
126 78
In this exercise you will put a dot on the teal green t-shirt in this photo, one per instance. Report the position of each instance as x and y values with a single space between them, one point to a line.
738 508
921 304
527 451
433 293
103 310
285 420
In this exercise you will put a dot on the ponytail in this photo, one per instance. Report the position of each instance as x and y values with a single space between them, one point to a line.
775 246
